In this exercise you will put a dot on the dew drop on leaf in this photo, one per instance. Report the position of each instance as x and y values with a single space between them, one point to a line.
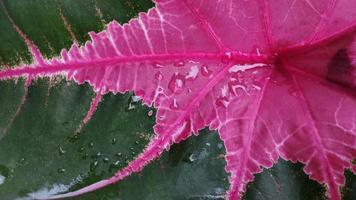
222 101
136 98
113 141
94 165
157 65
205 70
176 83
131 107
150 113
81 149
4 173
193 73
116 164
2 179
106 160
174 105
179 63
226 57
73 138
97 155
158 76
61 170
91 144
61 151
192 158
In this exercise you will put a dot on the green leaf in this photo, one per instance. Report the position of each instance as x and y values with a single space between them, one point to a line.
40 154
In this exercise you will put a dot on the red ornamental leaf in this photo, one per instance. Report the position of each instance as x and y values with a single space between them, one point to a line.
275 78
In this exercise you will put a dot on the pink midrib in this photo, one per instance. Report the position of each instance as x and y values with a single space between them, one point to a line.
318 143
247 144
291 70
266 26
59 67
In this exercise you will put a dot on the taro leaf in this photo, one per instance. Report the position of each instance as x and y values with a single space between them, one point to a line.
40 156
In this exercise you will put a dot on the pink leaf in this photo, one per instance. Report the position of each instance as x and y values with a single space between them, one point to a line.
275 78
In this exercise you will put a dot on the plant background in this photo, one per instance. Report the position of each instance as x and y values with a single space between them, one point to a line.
38 150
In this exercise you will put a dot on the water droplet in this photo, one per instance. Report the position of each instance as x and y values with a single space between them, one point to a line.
97 155
91 144
159 89
118 154
61 151
106 160
116 164
157 65
135 98
193 73
192 158
158 76
176 83
179 63
81 149
224 91
137 142
205 70
150 113
222 101
113 141
61 170
2 179
131 107
73 138
174 104
94 165
226 57
4 173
